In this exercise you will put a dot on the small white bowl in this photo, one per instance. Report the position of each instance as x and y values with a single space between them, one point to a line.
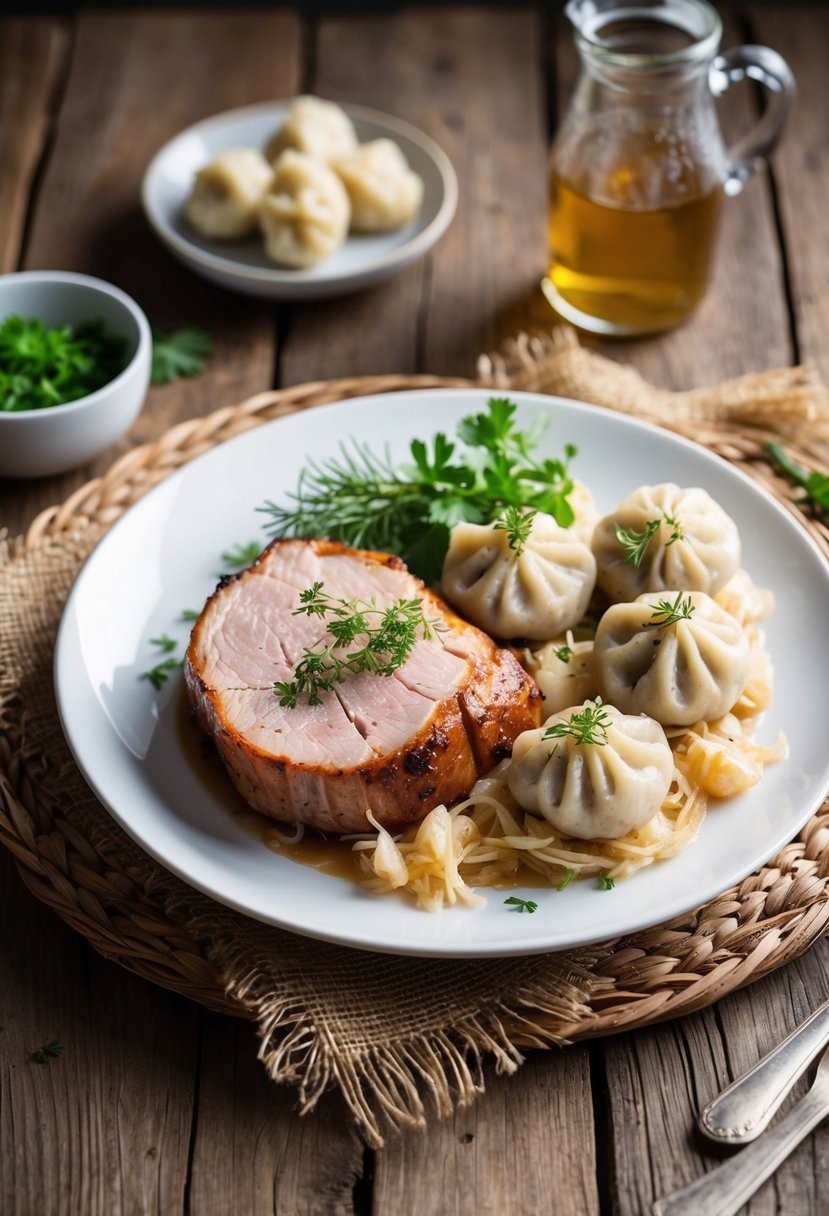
38 443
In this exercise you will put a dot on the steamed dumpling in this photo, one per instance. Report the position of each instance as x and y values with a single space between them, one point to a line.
587 515
384 192
304 215
596 790
694 545
690 670
226 194
318 128
564 673
537 593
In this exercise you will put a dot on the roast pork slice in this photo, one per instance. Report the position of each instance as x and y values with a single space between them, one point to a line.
397 745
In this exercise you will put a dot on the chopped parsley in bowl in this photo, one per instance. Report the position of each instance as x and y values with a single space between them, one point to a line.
43 366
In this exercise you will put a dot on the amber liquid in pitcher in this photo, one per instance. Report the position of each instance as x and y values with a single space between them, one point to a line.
634 269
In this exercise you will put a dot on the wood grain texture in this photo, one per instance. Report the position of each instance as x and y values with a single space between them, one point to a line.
526 1146
742 324
253 1153
103 1129
32 59
124 98
801 164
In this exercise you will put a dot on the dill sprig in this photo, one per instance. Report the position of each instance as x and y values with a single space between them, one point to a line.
388 636
635 543
606 883
666 613
518 525
366 500
587 725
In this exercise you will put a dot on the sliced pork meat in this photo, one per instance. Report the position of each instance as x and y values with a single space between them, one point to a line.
397 745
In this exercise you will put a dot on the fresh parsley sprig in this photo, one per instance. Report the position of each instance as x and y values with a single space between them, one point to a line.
815 485
183 353
606 883
366 500
388 636
666 613
47 1051
588 725
521 905
563 654
636 543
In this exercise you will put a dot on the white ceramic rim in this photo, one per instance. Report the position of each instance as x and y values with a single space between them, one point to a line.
412 249
107 289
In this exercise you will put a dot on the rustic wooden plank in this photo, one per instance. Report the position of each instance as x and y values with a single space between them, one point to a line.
452 73
103 1129
253 1154
742 324
659 1079
32 57
526 1146
801 164
136 78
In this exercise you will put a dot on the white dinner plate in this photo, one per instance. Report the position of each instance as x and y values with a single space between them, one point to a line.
363 260
162 557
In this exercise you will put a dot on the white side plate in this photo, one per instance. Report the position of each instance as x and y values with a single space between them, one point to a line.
241 265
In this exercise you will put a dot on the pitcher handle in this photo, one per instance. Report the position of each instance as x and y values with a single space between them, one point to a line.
754 63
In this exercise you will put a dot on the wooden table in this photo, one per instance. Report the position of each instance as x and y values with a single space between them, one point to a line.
156 1105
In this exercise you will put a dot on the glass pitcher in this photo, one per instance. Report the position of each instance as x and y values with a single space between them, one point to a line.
639 167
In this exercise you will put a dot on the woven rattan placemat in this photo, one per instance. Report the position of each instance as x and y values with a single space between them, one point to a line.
77 861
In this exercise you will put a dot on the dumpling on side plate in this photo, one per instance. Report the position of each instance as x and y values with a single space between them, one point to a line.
384 192
533 581
592 772
664 538
316 127
224 201
304 215
678 657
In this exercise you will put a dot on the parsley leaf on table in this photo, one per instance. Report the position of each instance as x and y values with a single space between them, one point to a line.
47 1051
183 353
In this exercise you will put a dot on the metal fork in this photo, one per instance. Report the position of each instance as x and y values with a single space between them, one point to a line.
741 1112
724 1191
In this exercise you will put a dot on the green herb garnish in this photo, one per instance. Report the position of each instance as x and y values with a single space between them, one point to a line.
41 367
183 353
367 501
242 555
563 654
606 883
518 525
635 543
164 643
521 905
588 725
189 614
569 875
682 609
815 484
47 1051
388 636
159 674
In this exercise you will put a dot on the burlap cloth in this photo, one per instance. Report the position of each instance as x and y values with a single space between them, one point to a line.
399 1036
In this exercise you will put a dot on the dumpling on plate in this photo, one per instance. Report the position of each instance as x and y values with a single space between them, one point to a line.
384 192
664 538
678 657
305 212
224 201
592 772
533 580
318 128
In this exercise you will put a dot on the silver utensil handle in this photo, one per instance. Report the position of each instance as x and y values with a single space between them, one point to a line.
746 1107
724 1191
